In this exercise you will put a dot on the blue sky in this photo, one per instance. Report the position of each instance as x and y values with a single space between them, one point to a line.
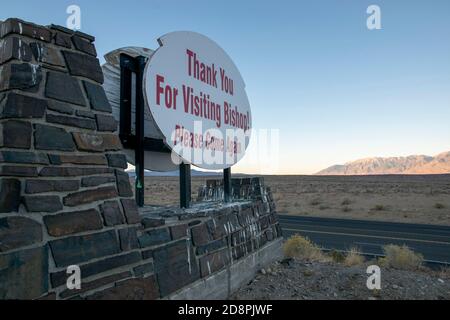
335 90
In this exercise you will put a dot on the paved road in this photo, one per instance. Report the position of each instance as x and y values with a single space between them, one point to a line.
370 236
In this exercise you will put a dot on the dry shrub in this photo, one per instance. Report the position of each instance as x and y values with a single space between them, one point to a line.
315 202
308 273
439 206
277 196
302 248
346 202
379 207
401 257
353 258
337 256
444 273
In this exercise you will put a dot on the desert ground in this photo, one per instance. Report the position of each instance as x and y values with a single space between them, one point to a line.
305 280
399 198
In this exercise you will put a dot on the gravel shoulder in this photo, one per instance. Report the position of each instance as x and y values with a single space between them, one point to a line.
297 280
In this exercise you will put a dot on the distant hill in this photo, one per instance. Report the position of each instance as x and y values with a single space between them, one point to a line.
417 164
194 173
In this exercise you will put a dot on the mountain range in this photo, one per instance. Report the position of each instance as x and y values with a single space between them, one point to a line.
415 164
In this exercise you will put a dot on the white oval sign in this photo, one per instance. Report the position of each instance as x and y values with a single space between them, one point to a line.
197 99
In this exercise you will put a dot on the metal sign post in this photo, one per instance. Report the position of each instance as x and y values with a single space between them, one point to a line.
128 66
139 151
185 185
138 142
227 184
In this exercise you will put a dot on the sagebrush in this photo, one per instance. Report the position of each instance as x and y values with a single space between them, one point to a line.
302 248
401 257
353 258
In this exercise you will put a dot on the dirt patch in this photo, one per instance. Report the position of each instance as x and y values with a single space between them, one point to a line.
410 199
297 280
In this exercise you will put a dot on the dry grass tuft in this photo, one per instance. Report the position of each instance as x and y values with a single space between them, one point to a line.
337 256
444 273
353 258
346 202
439 206
302 248
401 257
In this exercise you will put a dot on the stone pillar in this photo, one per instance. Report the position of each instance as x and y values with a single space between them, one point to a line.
64 196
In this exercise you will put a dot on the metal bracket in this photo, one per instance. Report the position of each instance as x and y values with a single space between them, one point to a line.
128 66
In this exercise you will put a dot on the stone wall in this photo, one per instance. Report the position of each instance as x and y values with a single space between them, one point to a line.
66 200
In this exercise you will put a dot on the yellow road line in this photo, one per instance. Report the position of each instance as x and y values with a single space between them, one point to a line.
368 236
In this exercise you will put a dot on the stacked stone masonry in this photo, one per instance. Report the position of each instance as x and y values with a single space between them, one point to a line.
65 198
